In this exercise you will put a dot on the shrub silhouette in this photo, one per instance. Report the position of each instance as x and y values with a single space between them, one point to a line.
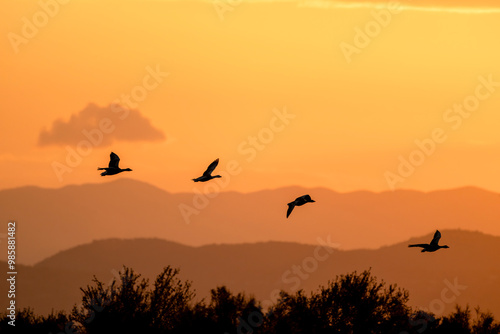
484 323
225 313
351 304
233 313
28 323
169 300
129 307
461 322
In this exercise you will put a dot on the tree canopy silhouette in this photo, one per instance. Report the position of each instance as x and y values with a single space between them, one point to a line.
352 303
129 307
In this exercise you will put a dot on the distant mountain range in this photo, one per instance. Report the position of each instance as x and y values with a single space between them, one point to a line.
467 272
51 220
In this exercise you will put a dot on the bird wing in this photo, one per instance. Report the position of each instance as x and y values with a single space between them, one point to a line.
290 209
418 245
114 160
211 168
436 238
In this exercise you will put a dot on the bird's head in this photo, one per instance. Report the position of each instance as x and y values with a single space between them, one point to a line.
215 176
127 170
445 246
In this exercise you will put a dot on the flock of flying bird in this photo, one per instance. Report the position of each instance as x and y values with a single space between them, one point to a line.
113 168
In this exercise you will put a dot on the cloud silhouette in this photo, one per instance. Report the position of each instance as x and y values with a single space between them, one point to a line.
101 126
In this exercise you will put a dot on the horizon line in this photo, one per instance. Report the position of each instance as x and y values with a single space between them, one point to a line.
127 179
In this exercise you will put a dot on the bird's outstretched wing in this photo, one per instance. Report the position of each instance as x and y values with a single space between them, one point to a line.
436 238
418 245
290 209
211 168
307 198
114 160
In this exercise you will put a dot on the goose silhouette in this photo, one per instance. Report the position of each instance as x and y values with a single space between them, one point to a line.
433 246
299 201
113 168
207 175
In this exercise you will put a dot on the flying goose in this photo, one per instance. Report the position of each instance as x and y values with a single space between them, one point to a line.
433 246
298 202
113 168
207 175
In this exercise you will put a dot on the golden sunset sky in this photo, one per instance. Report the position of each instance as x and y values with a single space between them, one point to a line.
355 85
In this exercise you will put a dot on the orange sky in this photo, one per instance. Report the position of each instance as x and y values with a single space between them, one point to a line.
352 118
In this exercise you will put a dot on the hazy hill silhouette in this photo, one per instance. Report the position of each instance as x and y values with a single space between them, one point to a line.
50 220
259 268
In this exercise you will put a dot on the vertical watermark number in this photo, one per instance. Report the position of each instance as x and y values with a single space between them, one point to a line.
11 271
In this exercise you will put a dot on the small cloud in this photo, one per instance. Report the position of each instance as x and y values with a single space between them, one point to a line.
101 126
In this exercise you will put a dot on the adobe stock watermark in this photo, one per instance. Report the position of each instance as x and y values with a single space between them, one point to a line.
454 117
249 149
448 295
105 126
4 239
299 273
381 18
31 26
223 6
295 276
